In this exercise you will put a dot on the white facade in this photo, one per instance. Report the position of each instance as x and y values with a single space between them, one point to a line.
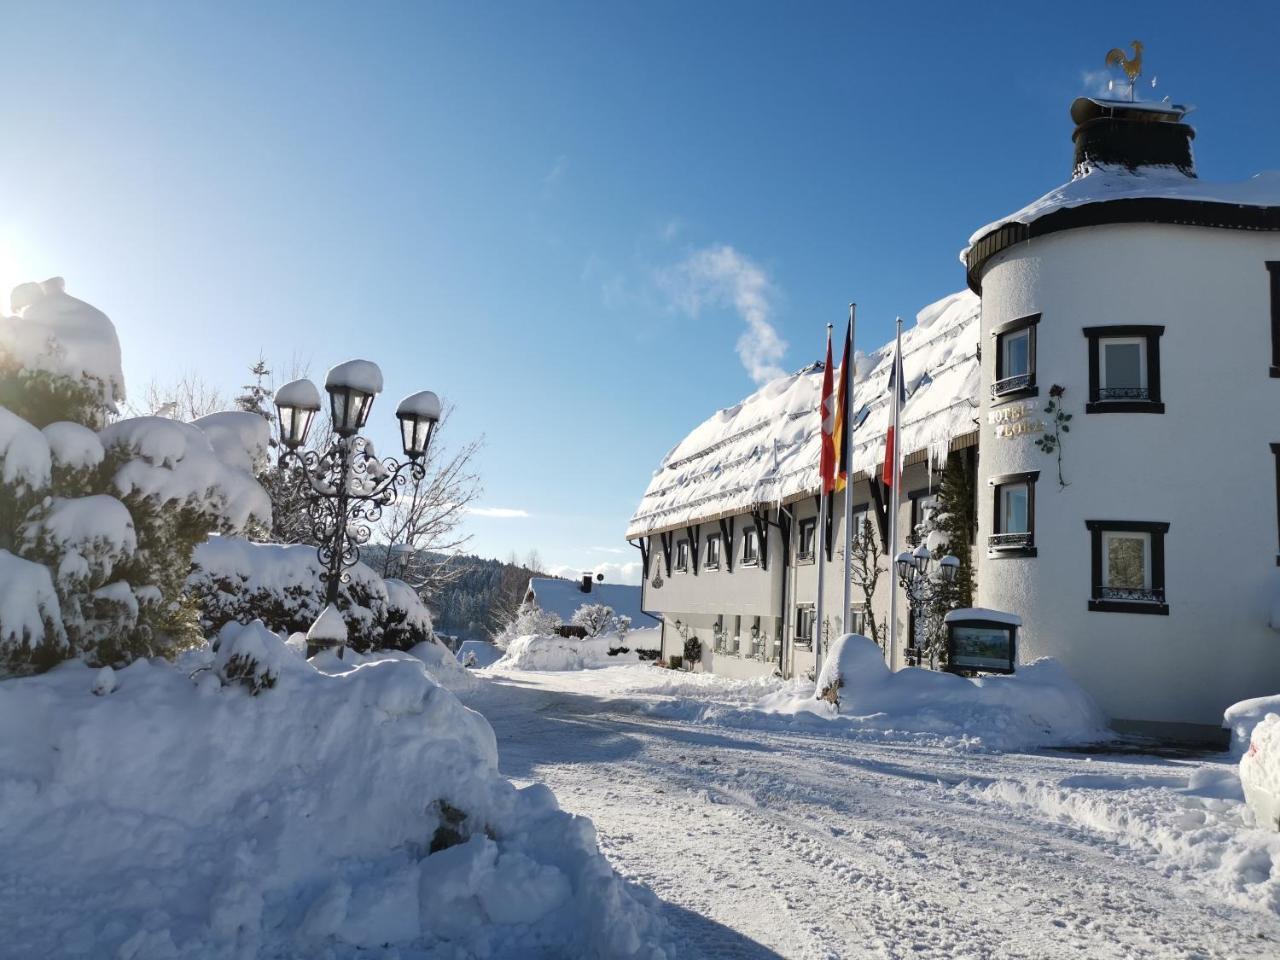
1204 466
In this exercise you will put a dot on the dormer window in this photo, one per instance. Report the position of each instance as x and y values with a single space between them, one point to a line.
1015 359
1124 369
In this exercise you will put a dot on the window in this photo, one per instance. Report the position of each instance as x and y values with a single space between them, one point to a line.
804 623
1275 451
808 531
682 555
1124 369
1127 566
1014 521
923 505
713 552
860 530
750 547
1015 359
757 639
857 622
1273 271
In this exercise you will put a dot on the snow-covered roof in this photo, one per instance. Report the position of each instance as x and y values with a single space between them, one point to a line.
1105 183
765 450
564 597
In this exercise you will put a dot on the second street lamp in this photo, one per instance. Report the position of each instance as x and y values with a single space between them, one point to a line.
345 485
923 589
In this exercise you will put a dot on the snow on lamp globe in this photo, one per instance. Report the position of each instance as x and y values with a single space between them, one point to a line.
905 564
418 414
351 387
949 566
922 558
297 403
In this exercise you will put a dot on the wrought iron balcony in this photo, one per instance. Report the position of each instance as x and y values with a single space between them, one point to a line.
1142 595
1124 393
1009 541
1010 385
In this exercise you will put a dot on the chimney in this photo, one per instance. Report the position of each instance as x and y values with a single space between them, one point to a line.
586 583
1121 134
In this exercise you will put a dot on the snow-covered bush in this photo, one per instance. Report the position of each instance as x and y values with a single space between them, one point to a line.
595 618
531 621
110 510
234 580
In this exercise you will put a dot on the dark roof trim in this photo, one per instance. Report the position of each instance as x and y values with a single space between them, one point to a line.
1191 213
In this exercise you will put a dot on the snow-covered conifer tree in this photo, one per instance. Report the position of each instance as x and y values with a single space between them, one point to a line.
98 516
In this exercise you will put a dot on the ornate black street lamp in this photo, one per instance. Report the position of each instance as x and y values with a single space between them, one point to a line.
918 579
345 486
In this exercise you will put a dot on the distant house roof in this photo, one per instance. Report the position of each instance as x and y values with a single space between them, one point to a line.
564 597
766 449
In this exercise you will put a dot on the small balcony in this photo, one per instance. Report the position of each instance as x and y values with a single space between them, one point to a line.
1123 393
1009 541
1013 386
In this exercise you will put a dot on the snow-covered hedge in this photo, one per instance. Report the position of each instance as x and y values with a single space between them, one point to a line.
234 580
110 511
563 653
163 812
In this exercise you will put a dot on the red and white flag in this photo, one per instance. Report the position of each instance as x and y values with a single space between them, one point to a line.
897 386
828 412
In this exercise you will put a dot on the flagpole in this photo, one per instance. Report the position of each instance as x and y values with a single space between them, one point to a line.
846 447
895 494
820 547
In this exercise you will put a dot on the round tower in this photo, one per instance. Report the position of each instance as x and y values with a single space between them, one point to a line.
1129 476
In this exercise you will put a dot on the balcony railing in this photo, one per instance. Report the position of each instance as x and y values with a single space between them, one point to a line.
1009 541
1010 385
1124 393
1142 595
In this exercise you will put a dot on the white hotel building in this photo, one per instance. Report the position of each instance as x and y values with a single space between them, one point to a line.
1151 571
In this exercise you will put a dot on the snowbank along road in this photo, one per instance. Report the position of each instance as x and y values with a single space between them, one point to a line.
768 842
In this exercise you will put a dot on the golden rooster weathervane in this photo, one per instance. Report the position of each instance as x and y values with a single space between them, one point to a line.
1132 66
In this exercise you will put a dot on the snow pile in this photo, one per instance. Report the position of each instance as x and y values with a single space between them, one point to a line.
1193 825
57 334
1260 772
328 815
767 447
1039 705
478 654
1240 718
534 652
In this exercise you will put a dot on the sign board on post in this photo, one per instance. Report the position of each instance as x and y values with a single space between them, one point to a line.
982 641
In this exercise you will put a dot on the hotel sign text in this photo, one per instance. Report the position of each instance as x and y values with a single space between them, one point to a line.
1015 420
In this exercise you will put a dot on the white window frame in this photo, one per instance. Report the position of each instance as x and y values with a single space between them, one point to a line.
682 556
1005 341
1139 342
750 537
801 610
1107 537
1005 490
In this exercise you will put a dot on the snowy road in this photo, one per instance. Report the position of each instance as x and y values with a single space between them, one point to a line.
768 843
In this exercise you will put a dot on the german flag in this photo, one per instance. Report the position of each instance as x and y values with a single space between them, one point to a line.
842 410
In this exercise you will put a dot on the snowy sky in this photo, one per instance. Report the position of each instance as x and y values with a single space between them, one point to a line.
561 217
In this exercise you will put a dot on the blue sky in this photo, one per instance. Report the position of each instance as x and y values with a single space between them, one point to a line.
561 217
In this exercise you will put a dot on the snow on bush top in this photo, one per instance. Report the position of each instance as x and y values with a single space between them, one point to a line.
172 462
29 608
239 438
25 460
98 522
362 375
349 815
61 335
766 449
73 446
1105 182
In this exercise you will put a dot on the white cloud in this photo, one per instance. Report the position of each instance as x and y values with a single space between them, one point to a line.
1098 83
609 549
721 276
627 573
505 513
